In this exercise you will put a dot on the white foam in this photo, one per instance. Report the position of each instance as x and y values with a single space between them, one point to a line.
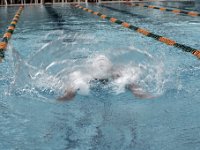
100 67
79 81
97 67
126 75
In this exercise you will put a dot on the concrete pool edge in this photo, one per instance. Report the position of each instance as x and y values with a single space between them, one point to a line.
146 1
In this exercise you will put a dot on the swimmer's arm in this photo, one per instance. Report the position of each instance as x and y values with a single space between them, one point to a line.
69 95
138 92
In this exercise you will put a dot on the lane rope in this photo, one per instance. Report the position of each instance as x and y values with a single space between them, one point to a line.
144 32
8 34
175 11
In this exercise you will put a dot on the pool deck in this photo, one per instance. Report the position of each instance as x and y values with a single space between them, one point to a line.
103 2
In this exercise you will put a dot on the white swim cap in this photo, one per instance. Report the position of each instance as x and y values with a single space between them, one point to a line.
101 66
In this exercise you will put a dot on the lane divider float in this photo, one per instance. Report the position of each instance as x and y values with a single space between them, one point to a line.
9 32
144 32
176 11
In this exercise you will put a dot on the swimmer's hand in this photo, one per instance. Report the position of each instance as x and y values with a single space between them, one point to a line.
138 92
69 95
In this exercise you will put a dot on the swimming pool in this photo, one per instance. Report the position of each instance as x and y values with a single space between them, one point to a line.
52 42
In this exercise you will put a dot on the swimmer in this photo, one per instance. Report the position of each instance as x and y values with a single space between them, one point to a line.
104 72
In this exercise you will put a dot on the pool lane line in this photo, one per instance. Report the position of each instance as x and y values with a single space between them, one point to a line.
175 11
144 32
57 17
8 34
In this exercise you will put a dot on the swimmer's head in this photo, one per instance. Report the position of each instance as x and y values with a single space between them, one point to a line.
101 63
101 66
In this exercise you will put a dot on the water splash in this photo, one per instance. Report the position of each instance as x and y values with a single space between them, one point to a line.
69 66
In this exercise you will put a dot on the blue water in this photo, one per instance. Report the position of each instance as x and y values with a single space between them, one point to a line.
53 42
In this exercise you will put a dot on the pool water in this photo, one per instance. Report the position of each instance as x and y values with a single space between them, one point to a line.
56 46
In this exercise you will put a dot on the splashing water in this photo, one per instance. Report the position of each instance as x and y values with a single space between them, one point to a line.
55 77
